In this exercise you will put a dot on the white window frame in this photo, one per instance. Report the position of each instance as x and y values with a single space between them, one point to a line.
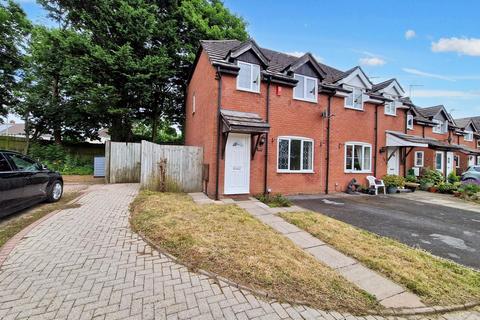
409 117
443 161
422 158
304 79
353 144
354 89
439 128
456 159
252 65
302 139
471 163
468 136
478 143
390 107
193 103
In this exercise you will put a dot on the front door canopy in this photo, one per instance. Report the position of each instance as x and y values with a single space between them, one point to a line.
243 122
395 139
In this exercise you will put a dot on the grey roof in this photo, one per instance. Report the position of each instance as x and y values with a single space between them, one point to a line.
433 143
236 121
217 50
12 129
463 123
382 85
429 112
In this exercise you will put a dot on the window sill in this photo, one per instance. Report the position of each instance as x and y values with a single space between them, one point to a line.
390 114
410 129
352 108
353 171
295 171
306 100
247 90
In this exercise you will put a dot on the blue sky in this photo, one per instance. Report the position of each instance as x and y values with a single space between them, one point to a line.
432 47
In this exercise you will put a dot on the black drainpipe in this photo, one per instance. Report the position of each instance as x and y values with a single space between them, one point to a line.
219 128
327 176
376 142
267 114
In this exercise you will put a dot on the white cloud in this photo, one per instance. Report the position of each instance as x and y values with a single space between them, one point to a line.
466 46
301 53
372 61
446 94
410 34
427 74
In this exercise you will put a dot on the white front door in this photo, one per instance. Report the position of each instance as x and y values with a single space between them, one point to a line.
450 163
237 164
394 161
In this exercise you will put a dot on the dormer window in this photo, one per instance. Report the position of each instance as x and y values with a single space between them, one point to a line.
390 107
306 88
354 100
468 136
440 127
248 78
409 122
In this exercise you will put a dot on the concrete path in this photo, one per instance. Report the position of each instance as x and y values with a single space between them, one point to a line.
388 293
447 200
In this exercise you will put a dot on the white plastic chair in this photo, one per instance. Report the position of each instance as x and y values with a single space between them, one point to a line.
376 183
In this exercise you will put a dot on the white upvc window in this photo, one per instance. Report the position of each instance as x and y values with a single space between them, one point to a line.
248 78
193 103
419 159
391 107
439 161
456 159
306 88
409 122
468 136
471 160
358 157
440 127
295 154
354 100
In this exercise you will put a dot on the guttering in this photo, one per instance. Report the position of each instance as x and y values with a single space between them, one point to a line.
375 145
267 115
219 128
327 175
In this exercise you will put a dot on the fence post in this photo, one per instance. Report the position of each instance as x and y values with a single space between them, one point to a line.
107 161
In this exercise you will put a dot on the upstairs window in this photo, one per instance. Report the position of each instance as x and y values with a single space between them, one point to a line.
355 99
358 157
468 136
478 144
441 127
306 88
390 107
409 121
295 154
248 78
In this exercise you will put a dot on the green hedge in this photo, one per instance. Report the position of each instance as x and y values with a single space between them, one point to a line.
58 158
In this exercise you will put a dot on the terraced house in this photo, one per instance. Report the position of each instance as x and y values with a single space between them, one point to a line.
272 122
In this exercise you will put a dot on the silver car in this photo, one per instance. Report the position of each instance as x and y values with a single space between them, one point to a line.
471 175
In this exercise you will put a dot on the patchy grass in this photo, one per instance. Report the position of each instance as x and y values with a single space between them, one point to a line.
274 200
83 179
11 225
437 281
226 240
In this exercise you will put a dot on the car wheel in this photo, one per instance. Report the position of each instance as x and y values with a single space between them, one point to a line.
56 191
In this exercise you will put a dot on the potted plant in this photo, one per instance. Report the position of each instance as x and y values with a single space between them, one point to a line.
411 182
393 182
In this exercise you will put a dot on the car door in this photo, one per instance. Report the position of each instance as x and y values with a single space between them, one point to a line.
36 179
12 185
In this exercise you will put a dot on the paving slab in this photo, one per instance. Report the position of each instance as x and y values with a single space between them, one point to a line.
406 299
331 257
304 239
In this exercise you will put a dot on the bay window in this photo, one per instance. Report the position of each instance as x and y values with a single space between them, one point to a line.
295 154
358 157
306 88
354 100
248 78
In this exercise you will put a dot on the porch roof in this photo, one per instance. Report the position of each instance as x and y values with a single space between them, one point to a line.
468 150
243 122
399 139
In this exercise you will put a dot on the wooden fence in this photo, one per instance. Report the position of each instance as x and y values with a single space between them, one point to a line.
156 167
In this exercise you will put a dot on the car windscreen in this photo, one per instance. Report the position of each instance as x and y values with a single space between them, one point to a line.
4 165
476 169
22 162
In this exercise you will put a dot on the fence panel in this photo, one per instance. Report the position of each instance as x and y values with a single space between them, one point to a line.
123 162
178 168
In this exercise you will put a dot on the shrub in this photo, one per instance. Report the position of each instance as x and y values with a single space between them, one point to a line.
469 189
57 158
392 180
447 187
433 176
410 178
274 200
452 177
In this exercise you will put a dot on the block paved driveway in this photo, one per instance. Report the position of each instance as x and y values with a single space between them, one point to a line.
445 231
85 263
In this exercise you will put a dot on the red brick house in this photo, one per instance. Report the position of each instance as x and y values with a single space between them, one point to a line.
272 122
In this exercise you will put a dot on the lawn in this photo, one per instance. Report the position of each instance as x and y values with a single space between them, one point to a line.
11 225
437 281
226 240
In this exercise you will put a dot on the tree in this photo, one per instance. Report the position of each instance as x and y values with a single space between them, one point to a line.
14 27
142 51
